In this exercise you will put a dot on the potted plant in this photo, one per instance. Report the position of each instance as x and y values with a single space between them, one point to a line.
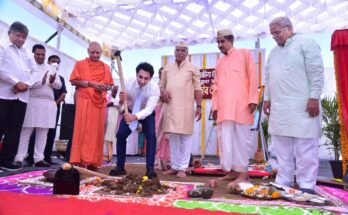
331 130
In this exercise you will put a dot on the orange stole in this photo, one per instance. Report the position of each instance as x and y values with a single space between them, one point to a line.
88 138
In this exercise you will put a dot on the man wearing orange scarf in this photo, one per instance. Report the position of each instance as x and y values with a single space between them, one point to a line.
92 79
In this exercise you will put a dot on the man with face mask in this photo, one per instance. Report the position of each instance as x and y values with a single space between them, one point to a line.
92 78
17 69
142 96
294 80
180 88
234 100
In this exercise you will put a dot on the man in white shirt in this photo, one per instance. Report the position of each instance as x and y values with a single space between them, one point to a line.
141 93
41 110
17 67
294 80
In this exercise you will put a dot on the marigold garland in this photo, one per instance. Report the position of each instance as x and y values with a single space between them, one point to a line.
344 140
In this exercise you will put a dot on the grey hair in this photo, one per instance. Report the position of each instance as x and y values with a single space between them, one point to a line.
282 21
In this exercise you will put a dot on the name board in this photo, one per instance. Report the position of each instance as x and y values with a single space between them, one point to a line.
207 77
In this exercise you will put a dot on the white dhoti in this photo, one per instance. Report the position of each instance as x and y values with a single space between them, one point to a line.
180 150
111 129
297 156
111 124
234 146
40 143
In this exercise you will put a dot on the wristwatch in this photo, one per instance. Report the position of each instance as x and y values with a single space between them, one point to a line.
198 106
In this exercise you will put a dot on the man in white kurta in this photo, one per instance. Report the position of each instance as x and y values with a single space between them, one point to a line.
180 88
41 110
111 123
294 81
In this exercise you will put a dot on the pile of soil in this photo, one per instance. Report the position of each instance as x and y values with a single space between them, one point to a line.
133 184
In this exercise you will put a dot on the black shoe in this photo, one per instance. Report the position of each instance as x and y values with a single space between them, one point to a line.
150 173
42 163
50 161
19 163
29 160
309 191
11 166
117 172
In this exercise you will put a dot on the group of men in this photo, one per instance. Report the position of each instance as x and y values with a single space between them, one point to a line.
293 84
29 100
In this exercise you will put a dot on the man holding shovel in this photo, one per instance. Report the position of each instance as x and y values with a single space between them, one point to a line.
141 96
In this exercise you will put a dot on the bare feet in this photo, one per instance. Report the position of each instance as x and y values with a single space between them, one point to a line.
232 175
233 186
181 174
170 172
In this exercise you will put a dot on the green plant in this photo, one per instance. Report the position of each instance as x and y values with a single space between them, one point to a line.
331 126
264 126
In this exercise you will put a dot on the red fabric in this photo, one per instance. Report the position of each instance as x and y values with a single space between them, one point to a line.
14 203
339 44
251 173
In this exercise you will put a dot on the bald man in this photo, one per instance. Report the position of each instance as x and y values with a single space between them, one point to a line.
92 78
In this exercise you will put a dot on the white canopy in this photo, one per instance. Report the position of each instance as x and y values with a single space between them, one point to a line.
129 24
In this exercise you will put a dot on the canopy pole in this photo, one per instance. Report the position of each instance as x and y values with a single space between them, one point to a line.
59 30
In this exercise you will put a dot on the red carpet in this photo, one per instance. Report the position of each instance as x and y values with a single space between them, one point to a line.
17 204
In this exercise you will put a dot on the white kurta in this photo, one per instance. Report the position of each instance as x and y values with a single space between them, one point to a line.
42 108
180 82
111 121
294 73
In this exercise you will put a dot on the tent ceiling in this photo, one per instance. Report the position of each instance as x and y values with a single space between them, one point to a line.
128 24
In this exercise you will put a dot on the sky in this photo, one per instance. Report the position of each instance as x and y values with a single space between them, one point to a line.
39 29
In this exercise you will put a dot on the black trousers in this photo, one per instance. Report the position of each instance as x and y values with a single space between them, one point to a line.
12 113
150 133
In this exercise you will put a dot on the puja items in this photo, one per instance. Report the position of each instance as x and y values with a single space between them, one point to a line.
300 197
261 192
306 198
66 180
205 193
133 184
196 163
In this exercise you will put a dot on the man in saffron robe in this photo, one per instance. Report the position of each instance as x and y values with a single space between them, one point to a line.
235 98
92 79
